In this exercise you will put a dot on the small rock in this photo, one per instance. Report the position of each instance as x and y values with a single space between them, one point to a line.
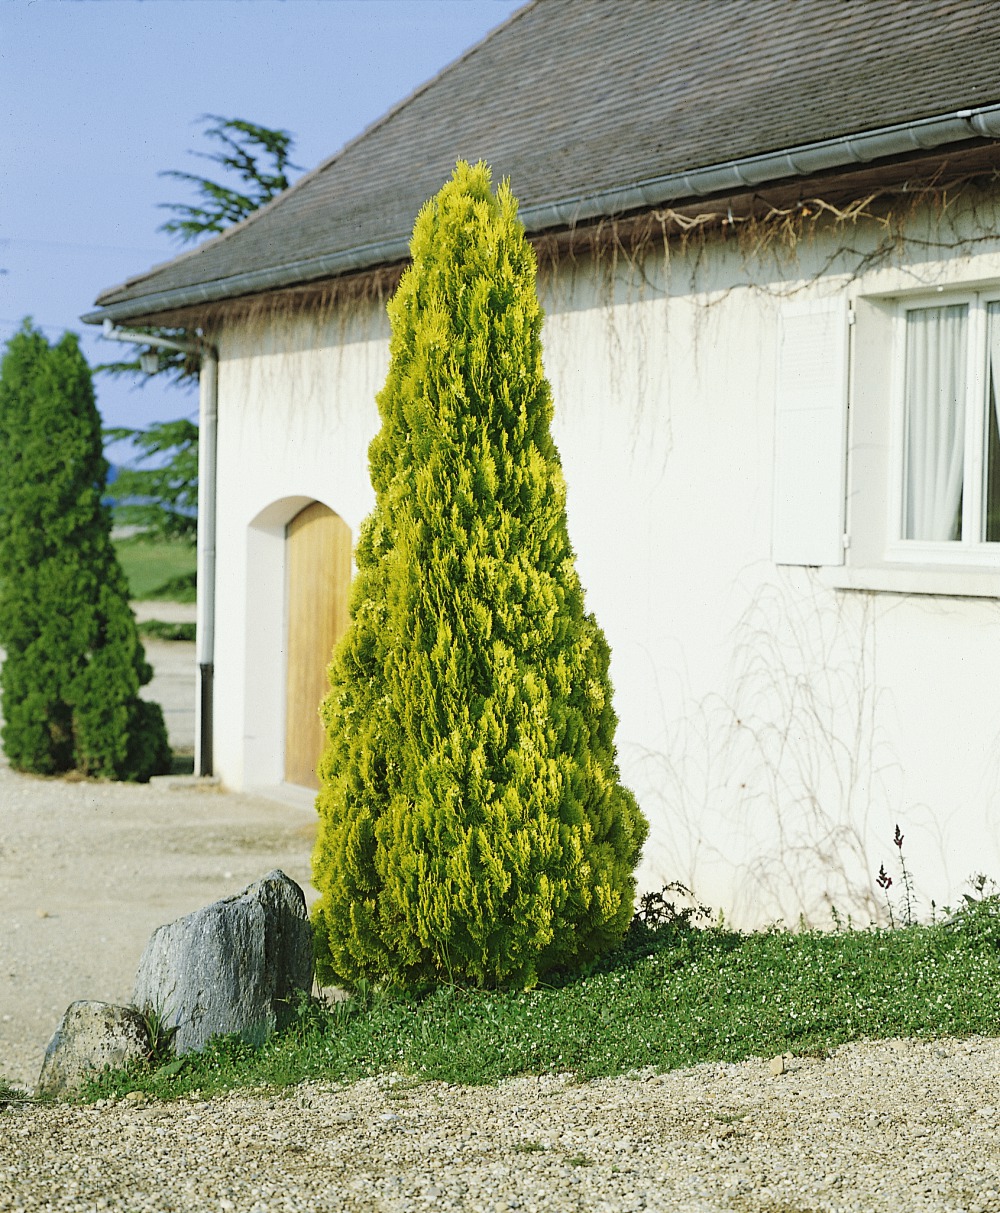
91 1037
777 1065
43 914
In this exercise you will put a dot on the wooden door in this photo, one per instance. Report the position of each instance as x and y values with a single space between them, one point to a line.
319 575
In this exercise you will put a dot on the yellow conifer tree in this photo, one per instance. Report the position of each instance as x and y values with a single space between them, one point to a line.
473 825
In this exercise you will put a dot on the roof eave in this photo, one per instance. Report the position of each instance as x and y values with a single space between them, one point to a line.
734 175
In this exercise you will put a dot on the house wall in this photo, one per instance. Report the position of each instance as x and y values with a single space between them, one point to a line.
774 725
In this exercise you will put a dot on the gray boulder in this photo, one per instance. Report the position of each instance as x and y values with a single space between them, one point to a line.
233 966
91 1037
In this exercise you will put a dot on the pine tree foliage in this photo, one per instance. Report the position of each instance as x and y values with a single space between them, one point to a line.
74 662
259 157
473 826
162 497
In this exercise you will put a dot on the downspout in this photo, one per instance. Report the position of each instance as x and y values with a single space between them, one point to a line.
205 628
208 414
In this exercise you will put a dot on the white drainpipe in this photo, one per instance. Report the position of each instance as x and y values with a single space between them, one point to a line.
205 633
208 414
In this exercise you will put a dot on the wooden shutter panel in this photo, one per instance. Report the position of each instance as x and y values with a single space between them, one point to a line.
810 434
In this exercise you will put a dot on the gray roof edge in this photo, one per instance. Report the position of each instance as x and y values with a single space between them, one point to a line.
253 282
803 160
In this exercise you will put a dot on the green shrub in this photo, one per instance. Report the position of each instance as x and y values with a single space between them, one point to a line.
74 662
162 629
473 826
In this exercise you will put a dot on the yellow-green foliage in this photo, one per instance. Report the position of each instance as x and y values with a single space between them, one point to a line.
473 826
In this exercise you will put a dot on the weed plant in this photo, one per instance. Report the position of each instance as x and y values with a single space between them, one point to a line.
672 995
10 1094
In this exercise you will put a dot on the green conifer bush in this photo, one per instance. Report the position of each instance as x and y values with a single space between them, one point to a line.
74 662
473 826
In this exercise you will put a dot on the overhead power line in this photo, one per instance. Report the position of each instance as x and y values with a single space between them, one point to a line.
95 248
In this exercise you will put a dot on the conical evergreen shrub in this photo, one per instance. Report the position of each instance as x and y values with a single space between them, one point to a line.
473 826
74 662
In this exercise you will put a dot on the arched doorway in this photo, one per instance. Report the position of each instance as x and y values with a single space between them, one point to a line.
318 563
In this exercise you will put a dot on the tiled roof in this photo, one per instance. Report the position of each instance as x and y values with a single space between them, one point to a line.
573 97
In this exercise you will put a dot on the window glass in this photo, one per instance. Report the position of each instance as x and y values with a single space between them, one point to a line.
934 444
992 487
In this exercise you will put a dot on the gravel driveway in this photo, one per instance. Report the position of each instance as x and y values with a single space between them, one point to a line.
894 1127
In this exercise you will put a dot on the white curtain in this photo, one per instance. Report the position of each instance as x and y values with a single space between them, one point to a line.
935 422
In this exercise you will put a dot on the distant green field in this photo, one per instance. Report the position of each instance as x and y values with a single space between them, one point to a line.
156 569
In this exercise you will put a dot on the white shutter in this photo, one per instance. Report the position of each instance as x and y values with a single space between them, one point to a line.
810 434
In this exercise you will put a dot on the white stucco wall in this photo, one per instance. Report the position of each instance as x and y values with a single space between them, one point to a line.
774 728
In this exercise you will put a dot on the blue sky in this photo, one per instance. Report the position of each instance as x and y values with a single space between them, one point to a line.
98 96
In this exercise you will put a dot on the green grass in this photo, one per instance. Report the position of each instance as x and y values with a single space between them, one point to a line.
670 996
157 570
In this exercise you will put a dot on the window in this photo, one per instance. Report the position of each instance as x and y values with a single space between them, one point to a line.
887 442
947 503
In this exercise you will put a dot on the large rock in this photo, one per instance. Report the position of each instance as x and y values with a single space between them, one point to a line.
233 966
91 1037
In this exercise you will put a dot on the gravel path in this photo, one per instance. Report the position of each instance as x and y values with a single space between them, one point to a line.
896 1127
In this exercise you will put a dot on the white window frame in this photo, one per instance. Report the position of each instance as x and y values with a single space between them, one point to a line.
970 550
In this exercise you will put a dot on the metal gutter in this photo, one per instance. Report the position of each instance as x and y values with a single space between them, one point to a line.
731 176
